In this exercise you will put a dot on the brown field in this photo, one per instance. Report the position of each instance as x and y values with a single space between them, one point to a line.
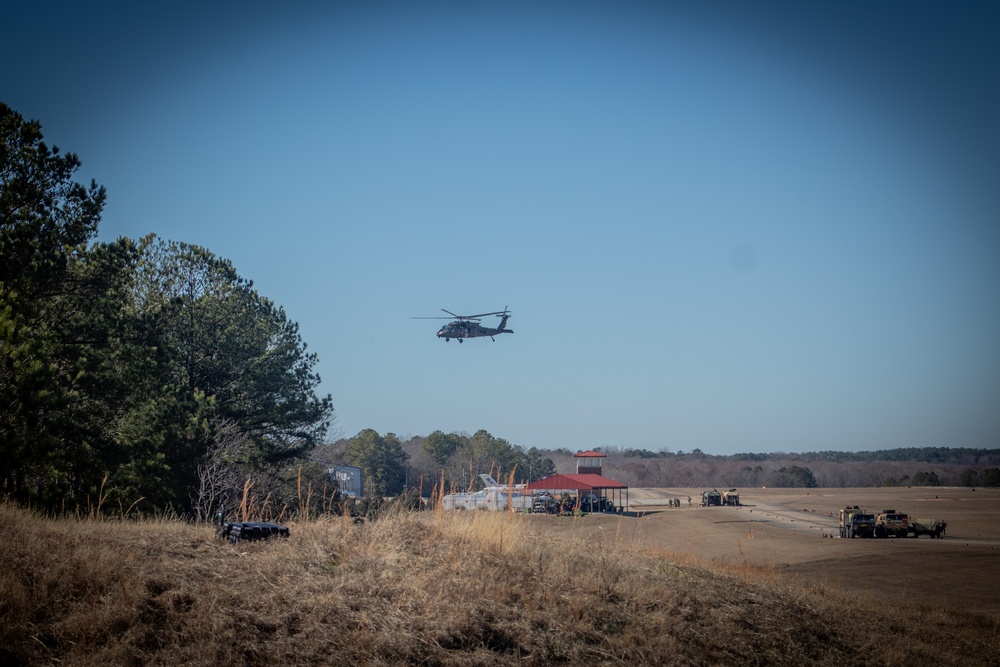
756 585
795 532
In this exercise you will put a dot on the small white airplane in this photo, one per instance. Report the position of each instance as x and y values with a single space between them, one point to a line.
495 497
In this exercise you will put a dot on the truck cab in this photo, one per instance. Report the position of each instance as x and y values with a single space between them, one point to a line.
856 522
891 523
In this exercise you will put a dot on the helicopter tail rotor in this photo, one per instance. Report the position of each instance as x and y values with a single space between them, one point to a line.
504 316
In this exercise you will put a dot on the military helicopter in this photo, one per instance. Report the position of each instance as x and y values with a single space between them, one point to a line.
468 326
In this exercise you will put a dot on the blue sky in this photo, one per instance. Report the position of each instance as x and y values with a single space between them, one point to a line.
728 226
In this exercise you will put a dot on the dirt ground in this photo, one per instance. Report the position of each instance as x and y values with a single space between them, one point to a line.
795 531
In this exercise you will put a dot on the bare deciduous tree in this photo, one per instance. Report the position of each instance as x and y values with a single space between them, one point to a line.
223 469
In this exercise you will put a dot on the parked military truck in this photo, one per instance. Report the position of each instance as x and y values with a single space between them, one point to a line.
930 527
712 497
731 498
855 522
891 523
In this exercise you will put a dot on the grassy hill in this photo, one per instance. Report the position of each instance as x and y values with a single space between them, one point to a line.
470 588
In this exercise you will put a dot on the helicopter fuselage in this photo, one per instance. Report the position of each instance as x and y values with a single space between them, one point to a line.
464 328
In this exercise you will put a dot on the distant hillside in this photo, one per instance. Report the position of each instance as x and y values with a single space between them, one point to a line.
912 466
943 455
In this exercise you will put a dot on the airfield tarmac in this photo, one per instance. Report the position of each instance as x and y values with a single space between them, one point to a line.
795 532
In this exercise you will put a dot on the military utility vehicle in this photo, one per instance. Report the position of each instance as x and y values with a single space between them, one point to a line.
855 522
891 523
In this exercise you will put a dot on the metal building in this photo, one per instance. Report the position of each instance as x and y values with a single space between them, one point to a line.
350 480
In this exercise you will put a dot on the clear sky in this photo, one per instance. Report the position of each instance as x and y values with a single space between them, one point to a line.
729 226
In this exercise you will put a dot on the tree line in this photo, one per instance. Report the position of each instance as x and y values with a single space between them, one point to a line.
452 461
423 463
908 466
126 366
942 455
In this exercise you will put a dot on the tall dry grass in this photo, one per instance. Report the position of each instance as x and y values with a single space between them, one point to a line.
434 588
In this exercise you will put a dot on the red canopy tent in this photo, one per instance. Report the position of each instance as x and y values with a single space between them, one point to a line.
581 483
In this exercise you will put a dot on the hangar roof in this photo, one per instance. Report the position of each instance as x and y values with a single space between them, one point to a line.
586 482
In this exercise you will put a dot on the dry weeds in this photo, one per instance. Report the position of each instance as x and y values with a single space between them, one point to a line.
472 588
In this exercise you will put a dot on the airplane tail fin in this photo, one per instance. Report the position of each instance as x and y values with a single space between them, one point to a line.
488 480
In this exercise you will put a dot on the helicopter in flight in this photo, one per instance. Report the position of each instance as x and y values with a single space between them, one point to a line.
468 326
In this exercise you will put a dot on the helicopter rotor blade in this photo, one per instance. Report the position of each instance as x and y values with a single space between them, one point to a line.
464 318
497 313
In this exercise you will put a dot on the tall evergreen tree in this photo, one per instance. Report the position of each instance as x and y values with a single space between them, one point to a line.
223 354
383 461
118 360
59 316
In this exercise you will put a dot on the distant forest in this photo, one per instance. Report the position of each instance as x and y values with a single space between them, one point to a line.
909 466
421 463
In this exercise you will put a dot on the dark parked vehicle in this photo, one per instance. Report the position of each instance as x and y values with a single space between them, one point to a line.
251 531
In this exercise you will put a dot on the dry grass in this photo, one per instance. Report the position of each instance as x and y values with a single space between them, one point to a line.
470 588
